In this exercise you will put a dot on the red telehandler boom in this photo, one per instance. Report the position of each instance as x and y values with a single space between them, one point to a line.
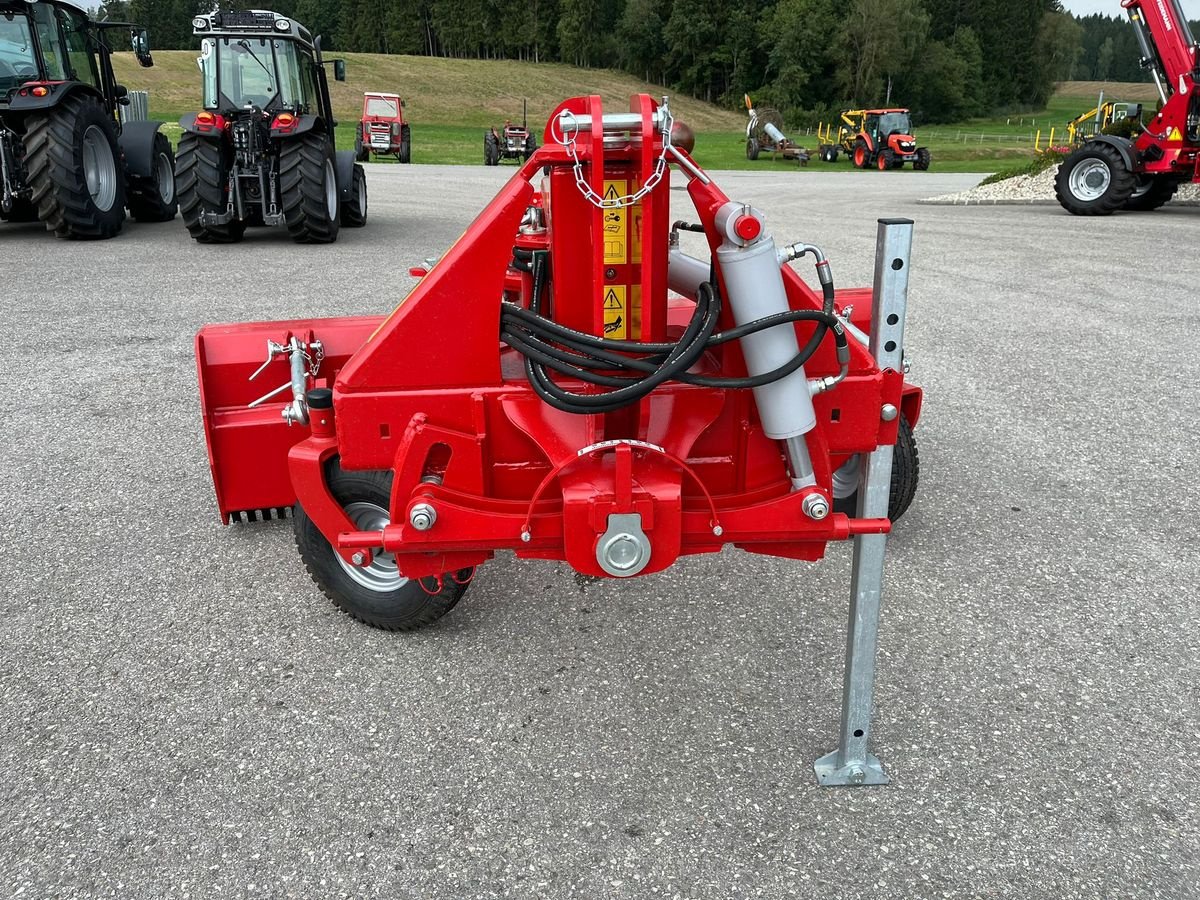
1109 172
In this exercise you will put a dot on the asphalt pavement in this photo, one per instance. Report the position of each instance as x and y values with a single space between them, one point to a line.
182 714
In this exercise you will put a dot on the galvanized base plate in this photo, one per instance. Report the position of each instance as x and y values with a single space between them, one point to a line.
854 774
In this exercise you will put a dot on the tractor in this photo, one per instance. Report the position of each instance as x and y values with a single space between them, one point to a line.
1111 172
511 142
764 134
885 140
585 377
65 157
261 152
382 129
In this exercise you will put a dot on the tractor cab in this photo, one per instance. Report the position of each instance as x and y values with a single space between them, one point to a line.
890 128
382 129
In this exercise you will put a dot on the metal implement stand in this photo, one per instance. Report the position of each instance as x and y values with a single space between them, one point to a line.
851 763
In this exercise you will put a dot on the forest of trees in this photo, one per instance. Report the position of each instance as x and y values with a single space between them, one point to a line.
946 59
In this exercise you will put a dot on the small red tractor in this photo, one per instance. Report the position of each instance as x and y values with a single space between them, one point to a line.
568 382
884 140
262 150
66 159
764 135
382 129
510 142
1110 172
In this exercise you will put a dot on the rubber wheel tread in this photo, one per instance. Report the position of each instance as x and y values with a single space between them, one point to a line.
145 203
351 218
302 170
201 180
54 163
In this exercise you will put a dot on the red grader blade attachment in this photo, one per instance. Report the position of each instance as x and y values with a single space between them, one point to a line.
571 382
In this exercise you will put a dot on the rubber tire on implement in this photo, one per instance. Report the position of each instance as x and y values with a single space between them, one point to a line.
201 185
906 473
1150 197
921 163
54 151
305 168
354 211
1117 192
405 608
147 204
752 149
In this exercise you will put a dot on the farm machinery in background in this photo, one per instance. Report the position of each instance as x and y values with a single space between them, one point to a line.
584 377
261 152
764 134
874 138
1110 172
1103 116
510 142
382 129
66 159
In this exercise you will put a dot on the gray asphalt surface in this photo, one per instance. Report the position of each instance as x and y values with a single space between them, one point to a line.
182 714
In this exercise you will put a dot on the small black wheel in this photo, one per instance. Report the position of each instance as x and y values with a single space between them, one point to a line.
153 199
921 163
202 185
72 160
906 472
309 190
1094 181
405 154
361 153
377 594
1151 192
833 154
752 149
354 211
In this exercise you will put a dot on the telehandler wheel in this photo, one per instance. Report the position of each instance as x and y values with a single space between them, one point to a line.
1094 181
752 149
921 163
354 213
377 594
1151 193
201 184
886 160
308 188
906 472
154 200
72 158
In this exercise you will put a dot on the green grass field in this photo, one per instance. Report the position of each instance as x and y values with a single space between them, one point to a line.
450 102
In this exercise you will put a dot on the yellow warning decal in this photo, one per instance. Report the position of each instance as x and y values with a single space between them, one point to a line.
616 312
635 213
635 312
1174 135
616 225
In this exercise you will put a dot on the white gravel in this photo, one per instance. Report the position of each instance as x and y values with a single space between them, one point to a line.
1035 189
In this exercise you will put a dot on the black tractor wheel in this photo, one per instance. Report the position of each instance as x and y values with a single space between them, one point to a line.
862 156
376 594
73 164
1151 192
202 185
1094 181
154 199
906 472
361 153
354 211
752 149
921 163
886 160
833 154
309 190
405 154
491 150
530 147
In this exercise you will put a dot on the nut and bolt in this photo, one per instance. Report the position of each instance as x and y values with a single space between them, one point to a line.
526 536
816 507
718 531
422 516
857 775
358 558
888 412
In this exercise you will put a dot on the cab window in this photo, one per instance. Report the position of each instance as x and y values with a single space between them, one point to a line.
47 34
80 58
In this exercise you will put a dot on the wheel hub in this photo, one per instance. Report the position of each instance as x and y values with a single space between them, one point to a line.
382 575
1090 179
99 168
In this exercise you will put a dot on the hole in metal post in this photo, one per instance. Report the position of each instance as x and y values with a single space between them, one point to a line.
889 346
897 264
858 732
893 319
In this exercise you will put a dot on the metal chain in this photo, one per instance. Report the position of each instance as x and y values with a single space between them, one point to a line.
589 193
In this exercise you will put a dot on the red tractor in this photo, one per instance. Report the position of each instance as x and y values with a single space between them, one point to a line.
569 382
1110 172
886 141
512 142
382 129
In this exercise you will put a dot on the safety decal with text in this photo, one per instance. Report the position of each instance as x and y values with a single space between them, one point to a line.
616 226
616 312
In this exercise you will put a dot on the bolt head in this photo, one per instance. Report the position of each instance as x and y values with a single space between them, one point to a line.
816 507
358 558
857 775
889 412
718 531
422 516
526 536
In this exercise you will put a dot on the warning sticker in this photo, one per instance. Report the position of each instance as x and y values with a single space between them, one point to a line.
616 312
635 312
635 213
616 226
1174 135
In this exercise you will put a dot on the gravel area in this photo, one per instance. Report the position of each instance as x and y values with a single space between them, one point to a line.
183 715
1035 189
